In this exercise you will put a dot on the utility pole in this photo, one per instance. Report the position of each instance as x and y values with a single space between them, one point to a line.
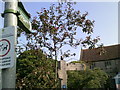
10 19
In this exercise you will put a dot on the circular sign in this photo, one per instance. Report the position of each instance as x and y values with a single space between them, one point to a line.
4 47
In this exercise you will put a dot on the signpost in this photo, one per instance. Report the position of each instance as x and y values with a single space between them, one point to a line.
10 19
14 15
23 20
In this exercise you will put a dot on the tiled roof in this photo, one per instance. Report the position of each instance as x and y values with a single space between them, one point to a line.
109 53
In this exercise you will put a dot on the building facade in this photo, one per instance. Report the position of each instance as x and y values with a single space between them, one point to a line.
106 58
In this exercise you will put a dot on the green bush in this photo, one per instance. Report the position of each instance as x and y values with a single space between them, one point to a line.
35 70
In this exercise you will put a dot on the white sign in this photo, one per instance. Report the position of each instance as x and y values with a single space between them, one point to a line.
7 47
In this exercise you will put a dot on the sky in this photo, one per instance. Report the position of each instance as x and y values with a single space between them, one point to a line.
105 15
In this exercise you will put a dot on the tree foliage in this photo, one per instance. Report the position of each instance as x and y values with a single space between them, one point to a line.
35 70
87 79
53 29
57 26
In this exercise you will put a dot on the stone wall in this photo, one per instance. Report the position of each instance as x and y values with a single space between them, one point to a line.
64 67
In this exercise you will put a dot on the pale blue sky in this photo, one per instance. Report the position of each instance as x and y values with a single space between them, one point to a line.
105 15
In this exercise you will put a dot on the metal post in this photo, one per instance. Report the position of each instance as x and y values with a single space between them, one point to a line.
10 19
0 79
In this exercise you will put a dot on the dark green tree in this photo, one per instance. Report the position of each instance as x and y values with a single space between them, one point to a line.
95 78
35 70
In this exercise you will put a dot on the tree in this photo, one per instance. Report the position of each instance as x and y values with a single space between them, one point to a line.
57 27
35 70
87 79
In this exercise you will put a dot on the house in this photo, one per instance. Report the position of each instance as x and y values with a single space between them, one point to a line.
106 58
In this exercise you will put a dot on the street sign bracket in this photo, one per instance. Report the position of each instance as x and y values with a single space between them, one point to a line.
10 11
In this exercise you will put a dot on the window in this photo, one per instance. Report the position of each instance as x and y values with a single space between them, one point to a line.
67 64
107 64
92 66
